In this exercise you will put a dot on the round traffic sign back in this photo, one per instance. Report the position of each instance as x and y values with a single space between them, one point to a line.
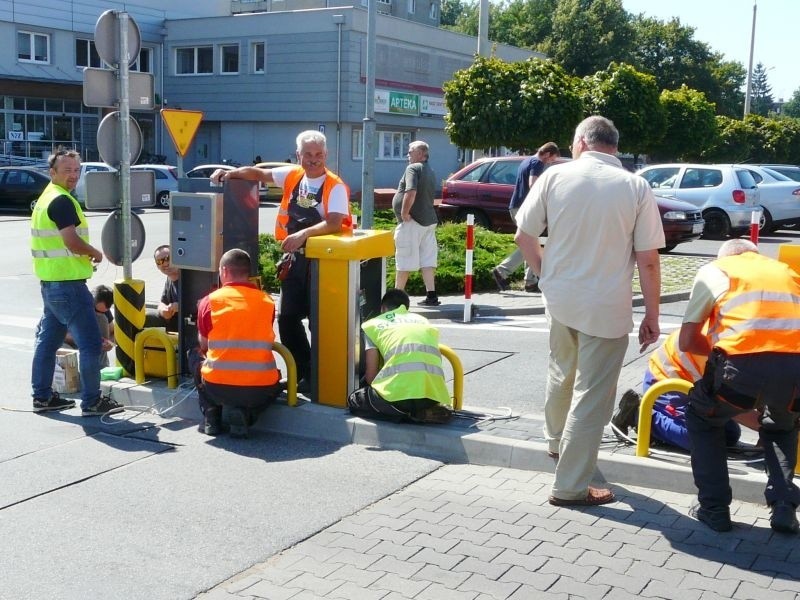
111 237
108 139
106 38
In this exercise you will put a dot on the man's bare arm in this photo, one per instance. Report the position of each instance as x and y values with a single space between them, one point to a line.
649 265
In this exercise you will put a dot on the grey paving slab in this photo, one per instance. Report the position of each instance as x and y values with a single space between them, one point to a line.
180 522
587 569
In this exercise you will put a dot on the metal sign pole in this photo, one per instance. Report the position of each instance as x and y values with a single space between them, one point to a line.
125 139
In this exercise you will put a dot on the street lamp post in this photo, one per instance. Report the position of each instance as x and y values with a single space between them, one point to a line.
750 65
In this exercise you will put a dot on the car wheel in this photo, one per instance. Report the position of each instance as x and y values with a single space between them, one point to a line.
480 217
667 248
163 200
766 225
718 225
33 204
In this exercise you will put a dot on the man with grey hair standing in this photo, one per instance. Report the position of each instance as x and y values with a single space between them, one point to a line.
415 235
601 220
315 202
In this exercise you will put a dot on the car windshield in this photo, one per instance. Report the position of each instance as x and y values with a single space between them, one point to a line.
504 172
776 174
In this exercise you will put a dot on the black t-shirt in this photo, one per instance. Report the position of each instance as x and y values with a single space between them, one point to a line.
62 212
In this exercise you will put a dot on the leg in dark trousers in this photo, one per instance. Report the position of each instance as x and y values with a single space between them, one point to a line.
778 435
294 307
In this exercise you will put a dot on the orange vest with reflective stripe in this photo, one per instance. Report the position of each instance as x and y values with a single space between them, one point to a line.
241 336
291 181
668 362
760 312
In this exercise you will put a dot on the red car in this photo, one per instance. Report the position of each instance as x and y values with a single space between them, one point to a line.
484 189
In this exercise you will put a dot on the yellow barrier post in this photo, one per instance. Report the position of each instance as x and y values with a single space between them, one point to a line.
335 304
291 372
458 375
158 334
646 410
790 254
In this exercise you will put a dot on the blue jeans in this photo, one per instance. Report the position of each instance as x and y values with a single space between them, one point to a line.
68 305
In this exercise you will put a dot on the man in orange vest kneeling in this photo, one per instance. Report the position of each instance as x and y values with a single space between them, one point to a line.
235 332
752 305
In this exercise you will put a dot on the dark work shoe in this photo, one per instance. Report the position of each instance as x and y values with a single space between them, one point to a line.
502 282
212 421
430 301
532 288
104 406
55 402
718 520
784 518
627 413
238 423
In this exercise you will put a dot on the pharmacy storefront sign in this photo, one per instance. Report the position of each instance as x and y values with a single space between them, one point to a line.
397 103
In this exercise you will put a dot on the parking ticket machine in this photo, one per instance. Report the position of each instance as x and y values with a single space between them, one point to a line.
203 226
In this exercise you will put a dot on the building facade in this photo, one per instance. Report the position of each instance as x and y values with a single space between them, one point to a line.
259 78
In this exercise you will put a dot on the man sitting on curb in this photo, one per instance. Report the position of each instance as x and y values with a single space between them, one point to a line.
235 332
669 362
410 385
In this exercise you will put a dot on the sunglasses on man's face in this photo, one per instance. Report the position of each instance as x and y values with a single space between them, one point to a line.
162 261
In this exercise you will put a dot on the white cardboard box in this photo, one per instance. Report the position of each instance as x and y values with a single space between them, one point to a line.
66 377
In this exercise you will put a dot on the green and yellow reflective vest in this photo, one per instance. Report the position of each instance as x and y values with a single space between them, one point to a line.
412 363
52 260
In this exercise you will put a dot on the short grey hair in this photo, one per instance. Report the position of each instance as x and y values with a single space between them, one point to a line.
422 145
311 136
598 131
736 246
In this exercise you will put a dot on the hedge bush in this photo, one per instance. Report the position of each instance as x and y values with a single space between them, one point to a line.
490 249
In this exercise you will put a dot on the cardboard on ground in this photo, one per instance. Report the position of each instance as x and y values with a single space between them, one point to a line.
182 126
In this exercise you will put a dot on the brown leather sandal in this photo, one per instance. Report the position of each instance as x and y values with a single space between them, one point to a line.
594 497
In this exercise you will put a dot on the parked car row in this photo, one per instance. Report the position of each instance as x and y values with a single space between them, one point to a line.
484 187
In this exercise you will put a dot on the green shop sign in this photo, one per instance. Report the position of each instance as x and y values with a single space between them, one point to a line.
403 104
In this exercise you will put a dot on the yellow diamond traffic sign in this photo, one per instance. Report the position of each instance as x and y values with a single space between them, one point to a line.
182 126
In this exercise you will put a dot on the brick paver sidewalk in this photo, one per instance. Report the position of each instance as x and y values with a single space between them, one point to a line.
479 533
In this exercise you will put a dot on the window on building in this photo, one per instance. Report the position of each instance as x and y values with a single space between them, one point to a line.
229 59
259 57
33 47
412 6
143 62
390 145
434 12
86 54
194 61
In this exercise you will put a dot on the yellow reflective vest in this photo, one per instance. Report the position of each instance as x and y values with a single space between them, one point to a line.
412 363
760 312
52 260
241 337
668 362
292 179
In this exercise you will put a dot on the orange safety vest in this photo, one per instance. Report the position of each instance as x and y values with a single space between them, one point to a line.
668 362
761 310
291 181
241 337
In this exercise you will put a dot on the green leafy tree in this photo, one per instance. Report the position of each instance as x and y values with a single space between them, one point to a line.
631 99
518 105
449 13
729 80
522 23
792 107
690 125
761 99
588 35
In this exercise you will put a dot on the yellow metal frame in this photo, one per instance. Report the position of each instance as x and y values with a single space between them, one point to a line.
160 335
646 410
458 375
291 372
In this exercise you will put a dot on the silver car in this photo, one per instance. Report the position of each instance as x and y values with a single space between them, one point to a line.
727 195
780 197
166 180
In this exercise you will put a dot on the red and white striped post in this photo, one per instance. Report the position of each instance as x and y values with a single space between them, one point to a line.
755 220
468 268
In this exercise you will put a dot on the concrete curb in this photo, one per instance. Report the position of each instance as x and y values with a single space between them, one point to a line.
449 444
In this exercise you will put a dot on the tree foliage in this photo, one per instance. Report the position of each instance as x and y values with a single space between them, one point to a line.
631 99
761 99
518 105
690 125
588 35
755 139
792 107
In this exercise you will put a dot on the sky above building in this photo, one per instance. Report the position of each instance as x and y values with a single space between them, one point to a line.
726 25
